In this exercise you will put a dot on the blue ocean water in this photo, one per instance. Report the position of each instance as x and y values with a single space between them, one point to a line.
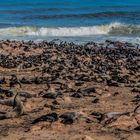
86 19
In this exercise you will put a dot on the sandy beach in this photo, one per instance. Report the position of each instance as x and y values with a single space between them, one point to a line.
66 91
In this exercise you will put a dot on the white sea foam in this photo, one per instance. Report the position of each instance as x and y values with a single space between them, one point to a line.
110 29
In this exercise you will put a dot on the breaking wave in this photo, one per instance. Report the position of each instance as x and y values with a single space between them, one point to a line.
110 29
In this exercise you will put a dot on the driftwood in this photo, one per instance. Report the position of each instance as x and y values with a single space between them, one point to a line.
15 101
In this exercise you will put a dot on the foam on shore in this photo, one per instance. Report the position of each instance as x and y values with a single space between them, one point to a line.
110 29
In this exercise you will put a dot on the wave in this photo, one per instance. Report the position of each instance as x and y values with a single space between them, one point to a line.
109 29
111 14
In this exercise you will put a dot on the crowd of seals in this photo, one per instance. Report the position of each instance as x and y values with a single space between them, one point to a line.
58 90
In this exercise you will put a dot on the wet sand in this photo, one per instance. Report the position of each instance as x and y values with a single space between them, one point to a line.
69 92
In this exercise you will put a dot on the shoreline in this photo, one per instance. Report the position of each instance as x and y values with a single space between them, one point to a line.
78 40
86 92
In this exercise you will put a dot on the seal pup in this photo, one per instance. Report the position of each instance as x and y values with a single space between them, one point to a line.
14 80
15 101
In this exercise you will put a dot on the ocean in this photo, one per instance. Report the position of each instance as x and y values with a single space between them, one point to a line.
70 20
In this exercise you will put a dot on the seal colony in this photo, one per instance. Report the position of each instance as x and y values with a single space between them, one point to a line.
68 91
